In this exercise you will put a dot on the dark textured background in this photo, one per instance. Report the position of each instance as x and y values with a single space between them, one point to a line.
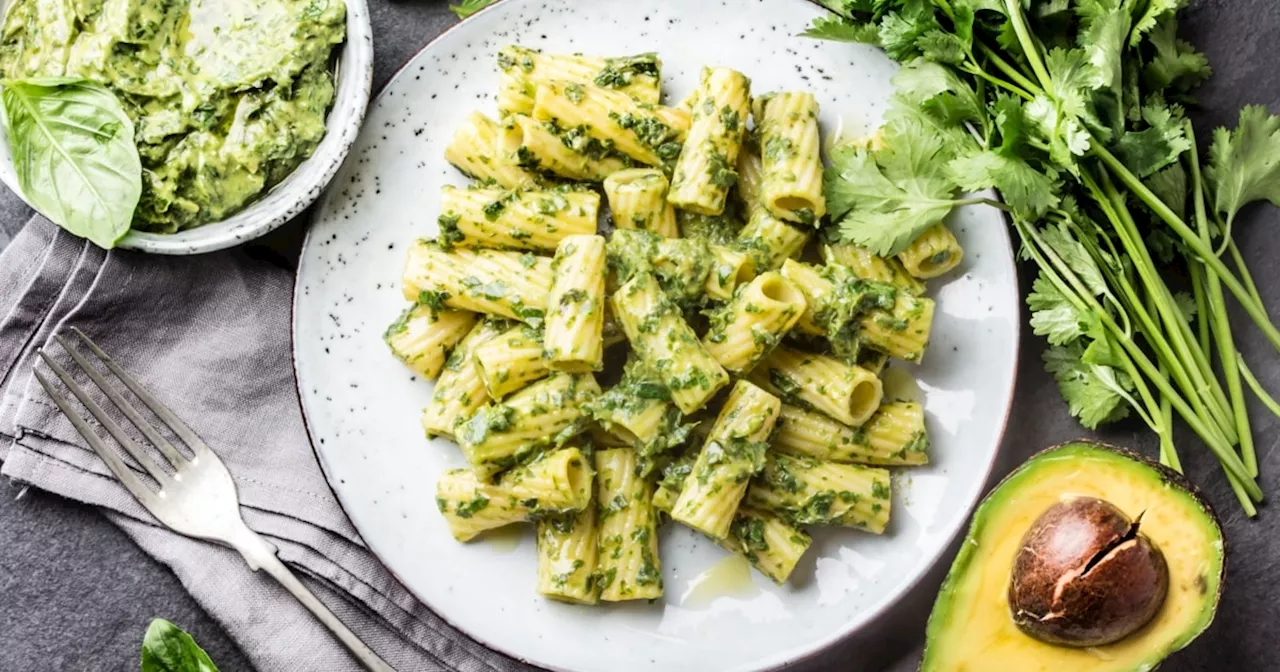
75 594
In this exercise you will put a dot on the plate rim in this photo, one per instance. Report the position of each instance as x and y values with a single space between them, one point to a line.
973 495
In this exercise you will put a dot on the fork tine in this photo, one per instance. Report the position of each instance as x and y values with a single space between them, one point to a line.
131 482
105 420
170 452
176 425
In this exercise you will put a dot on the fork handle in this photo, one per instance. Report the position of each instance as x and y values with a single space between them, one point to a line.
260 554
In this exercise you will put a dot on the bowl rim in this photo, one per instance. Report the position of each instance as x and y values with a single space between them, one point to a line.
291 196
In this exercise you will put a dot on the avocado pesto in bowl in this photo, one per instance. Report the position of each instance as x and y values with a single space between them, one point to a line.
239 112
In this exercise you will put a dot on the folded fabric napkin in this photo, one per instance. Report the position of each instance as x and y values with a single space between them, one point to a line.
210 335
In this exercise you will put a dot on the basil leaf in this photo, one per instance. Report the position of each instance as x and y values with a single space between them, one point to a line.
166 648
74 154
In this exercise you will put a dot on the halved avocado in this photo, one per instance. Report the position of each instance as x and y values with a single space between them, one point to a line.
971 628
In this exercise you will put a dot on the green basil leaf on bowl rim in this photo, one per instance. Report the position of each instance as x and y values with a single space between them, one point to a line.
74 154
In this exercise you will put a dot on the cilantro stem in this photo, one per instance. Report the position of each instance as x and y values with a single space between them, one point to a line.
1218 319
1192 364
1258 390
1205 252
977 71
1202 306
1168 452
1245 275
1046 258
1030 48
1008 69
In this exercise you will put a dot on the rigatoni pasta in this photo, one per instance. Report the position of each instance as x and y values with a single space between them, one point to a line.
933 253
568 555
554 483
706 169
511 361
845 392
649 134
474 150
506 284
548 413
638 199
629 565
545 147
666 344
787 124
460 390
522 70
423 336
535 220
894 436
753 321
806 491
733 453
574 340
698 279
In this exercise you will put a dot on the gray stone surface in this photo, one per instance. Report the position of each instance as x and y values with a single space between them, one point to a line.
75 594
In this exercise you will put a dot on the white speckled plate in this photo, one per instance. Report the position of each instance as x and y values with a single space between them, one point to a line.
362 405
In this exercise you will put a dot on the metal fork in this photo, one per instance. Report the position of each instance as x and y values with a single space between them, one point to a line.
198 498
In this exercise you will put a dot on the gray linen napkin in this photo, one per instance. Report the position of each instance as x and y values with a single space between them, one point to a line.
210 335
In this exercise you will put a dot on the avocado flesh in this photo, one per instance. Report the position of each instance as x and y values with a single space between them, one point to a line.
971 630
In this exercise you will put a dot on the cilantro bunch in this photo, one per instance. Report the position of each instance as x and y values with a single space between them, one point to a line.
1073 111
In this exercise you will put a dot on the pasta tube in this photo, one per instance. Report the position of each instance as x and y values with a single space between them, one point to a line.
769 240
629 565
556 482
515 220
867 266
638 411
568 556
806 491
902 331
769 543
647 133
757 317
543 146
894 436
721 229
507 284
511 361
423 336
732 454
474 151
842 391
523 69
546 413
666 344
932 254
574 340
772 545
791 189
459 391
705 171
638 200
830 299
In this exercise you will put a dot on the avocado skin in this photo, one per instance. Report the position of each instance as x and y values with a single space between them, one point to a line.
1167 475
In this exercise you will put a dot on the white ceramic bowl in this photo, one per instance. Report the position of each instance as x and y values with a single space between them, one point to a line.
292 195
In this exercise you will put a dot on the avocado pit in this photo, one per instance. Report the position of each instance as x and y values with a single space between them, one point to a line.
1084 575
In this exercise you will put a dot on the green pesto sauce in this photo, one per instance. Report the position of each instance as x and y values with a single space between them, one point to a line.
228 96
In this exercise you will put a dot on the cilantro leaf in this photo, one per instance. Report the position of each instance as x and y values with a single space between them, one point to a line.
921 84
1052 316
1028 191
1103 34
1073 253
466 8
1175 65
1244 164
901 31
832 28
1151 15
1170 185
877 212
1186 305
1059 115
1094 394
1147 151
